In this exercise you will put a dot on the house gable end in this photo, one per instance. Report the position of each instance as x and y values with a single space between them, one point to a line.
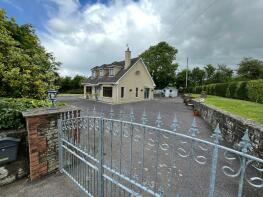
140 70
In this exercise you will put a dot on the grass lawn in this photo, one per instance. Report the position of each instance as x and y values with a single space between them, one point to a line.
70 94
246 109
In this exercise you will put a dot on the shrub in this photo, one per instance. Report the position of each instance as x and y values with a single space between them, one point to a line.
11 111
241 91
255 90
73 91
244 90
232 87
220 89
212 88
198 89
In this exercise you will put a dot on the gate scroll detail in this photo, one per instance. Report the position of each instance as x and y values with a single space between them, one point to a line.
112 155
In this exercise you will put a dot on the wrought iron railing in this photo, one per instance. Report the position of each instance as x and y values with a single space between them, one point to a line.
109 156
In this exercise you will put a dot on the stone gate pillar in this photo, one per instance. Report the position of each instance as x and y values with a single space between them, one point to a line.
42 131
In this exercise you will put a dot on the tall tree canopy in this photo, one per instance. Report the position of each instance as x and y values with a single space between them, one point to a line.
209 74
26 69
181 78
69 84
222 74
209 71
250 69
160 61
198 76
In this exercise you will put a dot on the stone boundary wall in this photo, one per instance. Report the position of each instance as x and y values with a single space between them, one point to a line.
15 170
42 127
232 126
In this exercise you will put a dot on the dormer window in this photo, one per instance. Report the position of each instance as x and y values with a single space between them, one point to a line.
94 73
101 72
111 72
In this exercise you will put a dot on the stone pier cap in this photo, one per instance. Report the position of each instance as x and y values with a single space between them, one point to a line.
47 111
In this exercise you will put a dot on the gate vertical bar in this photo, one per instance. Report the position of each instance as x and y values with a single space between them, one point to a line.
193 132
242 174
60 151
245 145
158 123
217 136
101 158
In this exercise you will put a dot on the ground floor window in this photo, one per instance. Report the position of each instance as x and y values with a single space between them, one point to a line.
146 93
122 92
136 93
107 91
88 89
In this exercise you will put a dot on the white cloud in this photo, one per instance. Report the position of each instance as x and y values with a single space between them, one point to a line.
98 33
205 31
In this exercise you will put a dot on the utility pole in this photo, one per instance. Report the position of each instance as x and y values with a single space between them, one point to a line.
186 74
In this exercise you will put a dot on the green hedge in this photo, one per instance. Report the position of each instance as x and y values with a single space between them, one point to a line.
255 90
244 90
11 108
73 91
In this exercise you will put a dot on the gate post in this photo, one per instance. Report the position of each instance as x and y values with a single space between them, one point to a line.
42 128
101 158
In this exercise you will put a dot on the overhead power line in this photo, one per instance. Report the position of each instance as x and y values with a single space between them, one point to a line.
182 13
201 13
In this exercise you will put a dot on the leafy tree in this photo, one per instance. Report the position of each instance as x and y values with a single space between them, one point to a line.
250 69
180 78
160 61
76 82
210 71
26 69
198 76
222 74
65 84
68 84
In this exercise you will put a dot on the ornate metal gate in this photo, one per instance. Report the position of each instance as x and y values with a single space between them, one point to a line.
115 156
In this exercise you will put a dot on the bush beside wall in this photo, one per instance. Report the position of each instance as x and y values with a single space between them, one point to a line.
244 90
255 90
73 91
11 108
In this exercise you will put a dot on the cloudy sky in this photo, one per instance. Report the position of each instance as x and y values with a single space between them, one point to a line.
86 33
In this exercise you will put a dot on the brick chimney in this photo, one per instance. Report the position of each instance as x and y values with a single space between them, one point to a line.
127 58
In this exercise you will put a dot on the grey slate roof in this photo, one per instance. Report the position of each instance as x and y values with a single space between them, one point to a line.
114 78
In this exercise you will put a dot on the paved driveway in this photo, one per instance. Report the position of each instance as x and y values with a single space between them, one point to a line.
54 185
167 107
192 168
196 176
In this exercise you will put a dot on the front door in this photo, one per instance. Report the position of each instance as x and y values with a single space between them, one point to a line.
146 93
97 92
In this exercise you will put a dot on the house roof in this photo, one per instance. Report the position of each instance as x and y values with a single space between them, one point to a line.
112 79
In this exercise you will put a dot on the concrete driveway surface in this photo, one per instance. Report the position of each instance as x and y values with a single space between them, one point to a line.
167 107
59 185
54 185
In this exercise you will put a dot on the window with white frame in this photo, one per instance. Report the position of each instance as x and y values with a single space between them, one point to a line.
93 73
101 72
111 72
